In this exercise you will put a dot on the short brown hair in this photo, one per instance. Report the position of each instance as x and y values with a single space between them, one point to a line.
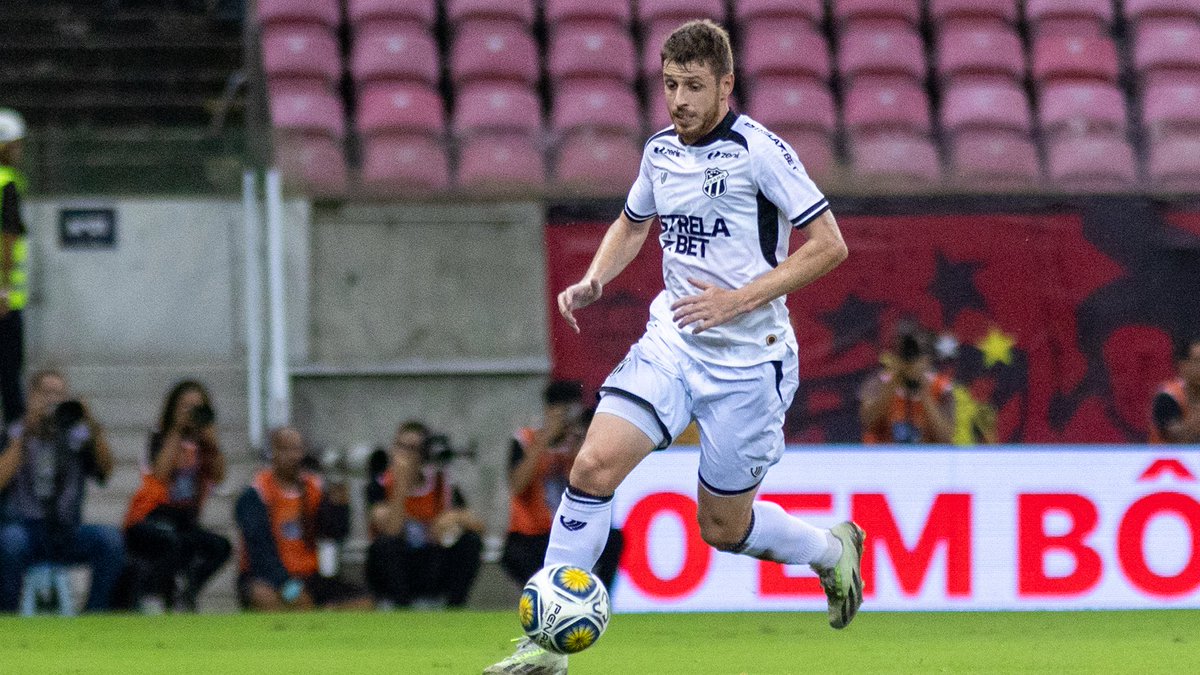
702 42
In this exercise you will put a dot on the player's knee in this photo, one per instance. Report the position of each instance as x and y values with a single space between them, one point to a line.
721 534
593 475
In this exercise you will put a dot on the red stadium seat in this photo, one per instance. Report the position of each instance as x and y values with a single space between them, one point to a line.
678 11
560 12
1065 57
595 104
812 11
994 161
400 107
500 163
1076 108
988 104
314 164
420 12
325 12
494 50
652 43
873 105
1174 164
301 50
873 48
497 106
404 164
592 49
520 11
896 157
789 46
305 107
1169 106
1095 163
1069 17
847 11
597 163
389 50
1167 45
793 103
942 11
812 148
1137 10
980 48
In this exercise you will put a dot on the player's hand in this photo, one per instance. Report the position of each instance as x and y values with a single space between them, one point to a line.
578 296
709 308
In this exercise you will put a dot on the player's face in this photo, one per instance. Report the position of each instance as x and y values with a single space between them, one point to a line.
696 98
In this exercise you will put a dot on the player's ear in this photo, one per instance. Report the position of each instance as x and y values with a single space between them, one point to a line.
726 85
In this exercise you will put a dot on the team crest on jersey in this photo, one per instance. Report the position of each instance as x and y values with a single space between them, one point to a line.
715 183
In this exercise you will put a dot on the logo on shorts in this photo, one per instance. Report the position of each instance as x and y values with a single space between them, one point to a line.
571 525
756 471
714 182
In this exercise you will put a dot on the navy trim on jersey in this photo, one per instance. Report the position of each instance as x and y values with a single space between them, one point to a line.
648 406
723 493
768 228
809 215
723 131
635 217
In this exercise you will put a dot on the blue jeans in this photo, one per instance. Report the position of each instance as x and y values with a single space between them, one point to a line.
100 547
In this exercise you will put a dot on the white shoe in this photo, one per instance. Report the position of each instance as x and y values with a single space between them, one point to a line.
530 659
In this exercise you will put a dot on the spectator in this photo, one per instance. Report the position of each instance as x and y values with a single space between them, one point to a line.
539 465
43 472
281 516
907 401
162 526
426 541
1175 412
14 289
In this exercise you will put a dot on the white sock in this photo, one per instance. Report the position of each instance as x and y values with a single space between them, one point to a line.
580 529
776 536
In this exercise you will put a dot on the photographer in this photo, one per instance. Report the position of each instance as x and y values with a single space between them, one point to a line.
43 469
426 541
162 526
907 401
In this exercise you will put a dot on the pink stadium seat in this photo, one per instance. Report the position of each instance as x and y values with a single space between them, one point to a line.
793 103
942 11
595 104
1137 10
1069 17
846 11
400 107
980 48
905 157
652 44
398 165
785 46
986 104
812 148
597 164
1170 106
678 11
1094 163
1076 108
873 48
305 107
325 12
559 12
301 50
1167 45
501 162
420 12
896 105
497 106
520 11
1174 164
812 11
314 164
492 49
1066 57
389 50
592 49
994 161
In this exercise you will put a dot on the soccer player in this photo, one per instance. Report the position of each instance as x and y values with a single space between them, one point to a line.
719 346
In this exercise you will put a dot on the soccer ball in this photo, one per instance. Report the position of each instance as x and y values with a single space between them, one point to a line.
564 609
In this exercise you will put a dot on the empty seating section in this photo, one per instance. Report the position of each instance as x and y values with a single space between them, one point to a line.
525 96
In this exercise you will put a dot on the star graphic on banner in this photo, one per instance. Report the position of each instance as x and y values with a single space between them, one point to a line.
997 347
855 320
954 287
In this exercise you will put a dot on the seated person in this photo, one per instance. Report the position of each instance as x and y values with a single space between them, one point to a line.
46 461
907 401
1175 412
281 516
426 541
539 467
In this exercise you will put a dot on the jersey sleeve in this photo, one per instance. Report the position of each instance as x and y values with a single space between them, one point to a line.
783 180
639 206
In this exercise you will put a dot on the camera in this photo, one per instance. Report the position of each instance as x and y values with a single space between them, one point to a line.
439 450
202 416
67 414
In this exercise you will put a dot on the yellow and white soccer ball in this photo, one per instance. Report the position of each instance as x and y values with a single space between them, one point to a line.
564 609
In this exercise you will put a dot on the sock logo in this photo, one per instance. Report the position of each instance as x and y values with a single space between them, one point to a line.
571 525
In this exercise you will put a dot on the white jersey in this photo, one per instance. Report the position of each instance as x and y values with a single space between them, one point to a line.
727 204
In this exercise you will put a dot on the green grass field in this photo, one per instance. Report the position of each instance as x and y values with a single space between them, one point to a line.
464 642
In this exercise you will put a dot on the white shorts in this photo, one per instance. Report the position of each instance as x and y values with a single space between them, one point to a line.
660 388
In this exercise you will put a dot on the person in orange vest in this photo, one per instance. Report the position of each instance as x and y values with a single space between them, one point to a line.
538 469
281 515
426 542
906 401
1175 411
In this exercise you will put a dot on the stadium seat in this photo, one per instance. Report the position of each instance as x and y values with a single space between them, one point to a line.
304 107
400 107
653 38
980 48
592 49
403 164
1075 108
1137 10
494 49
297 50
420 12
597 163
497 106
519 11
812 11
786 46
994 161
873 104
1069 17
595 104
946 11
314 164
563 12
909 158
1173 164
1167 46
325 12
812 148
389 50
1094 163
501 162
1170 106
986 104
887 48
1066 57
848 11
678 11
792 103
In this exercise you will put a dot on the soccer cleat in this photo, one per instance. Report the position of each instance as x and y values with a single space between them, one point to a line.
530 659
843 582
